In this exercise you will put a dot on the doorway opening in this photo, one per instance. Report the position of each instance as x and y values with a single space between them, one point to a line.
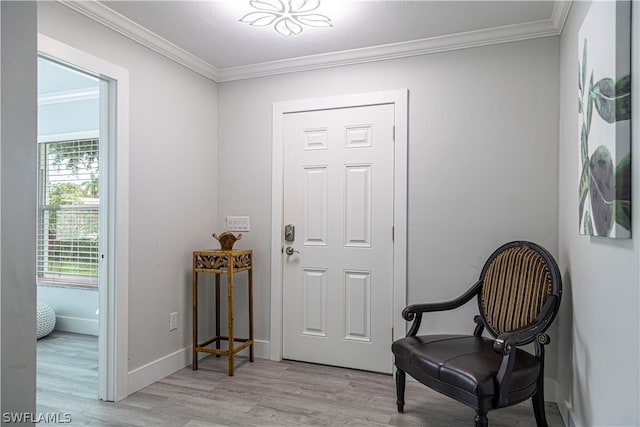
71 157
83 210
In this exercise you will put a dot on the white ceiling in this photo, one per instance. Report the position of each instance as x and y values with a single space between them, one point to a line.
208 36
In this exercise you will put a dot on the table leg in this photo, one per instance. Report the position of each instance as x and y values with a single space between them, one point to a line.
230 312
218 312
194 314
251 352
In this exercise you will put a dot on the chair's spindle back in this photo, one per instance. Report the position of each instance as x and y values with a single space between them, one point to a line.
517 282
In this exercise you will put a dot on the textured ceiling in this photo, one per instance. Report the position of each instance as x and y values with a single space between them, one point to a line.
212 31
215 38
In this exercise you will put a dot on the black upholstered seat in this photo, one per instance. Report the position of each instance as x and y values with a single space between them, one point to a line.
518 296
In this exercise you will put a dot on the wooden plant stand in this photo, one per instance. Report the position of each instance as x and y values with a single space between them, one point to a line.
222 262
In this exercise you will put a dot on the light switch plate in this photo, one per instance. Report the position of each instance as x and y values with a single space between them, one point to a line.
173 321
237 223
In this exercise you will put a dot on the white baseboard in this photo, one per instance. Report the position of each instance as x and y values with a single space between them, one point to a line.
568 415
262 349
158 369
77 325
167 365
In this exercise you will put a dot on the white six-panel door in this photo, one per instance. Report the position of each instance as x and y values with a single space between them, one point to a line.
338 279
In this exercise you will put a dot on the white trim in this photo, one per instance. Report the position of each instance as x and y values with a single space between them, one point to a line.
113 321
509 33
560 13
262 349
158 369
69 136
427 46
568 415
68 96
123 25
399 98
77 325
147 374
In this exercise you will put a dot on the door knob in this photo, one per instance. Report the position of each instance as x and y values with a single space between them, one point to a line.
290 251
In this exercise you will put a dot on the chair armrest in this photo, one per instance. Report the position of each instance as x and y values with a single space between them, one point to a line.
414 312
507 341
411 310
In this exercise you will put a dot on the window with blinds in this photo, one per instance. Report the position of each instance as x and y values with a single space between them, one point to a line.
68 208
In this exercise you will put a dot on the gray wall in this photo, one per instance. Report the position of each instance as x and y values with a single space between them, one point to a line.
482 160
172 177
599 334
18 198
76 308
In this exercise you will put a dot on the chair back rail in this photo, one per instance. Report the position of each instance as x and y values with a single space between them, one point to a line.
517 279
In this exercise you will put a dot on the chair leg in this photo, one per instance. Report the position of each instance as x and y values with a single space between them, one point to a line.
538 406
400 381
481 419
538 398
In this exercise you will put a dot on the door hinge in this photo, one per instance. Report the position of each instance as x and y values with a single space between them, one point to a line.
394 133
393 233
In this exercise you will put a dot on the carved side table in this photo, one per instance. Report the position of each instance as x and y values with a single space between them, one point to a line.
222 262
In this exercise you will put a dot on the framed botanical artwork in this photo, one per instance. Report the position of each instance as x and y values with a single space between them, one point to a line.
604 120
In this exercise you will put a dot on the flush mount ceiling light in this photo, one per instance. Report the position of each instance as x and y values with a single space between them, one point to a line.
288 17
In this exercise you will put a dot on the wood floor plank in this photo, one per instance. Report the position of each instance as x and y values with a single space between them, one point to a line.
263 393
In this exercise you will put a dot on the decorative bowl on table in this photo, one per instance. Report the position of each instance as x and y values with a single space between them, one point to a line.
227 240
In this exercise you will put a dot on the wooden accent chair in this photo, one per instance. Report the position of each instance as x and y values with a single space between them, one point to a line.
518 295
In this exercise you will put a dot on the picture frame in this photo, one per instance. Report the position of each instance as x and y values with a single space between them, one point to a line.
604 120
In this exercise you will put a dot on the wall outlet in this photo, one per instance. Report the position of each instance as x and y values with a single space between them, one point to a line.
237 223
173 321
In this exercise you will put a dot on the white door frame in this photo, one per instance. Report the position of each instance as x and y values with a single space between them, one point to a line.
399 98
113 298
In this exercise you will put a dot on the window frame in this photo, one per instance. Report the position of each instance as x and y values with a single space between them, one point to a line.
87 252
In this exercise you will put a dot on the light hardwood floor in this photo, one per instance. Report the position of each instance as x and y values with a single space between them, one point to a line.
263 393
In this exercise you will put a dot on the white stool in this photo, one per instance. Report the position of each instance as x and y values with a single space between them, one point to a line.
45 320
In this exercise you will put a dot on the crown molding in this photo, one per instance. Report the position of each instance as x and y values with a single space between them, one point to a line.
505 34
427 46
559 14
126 27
